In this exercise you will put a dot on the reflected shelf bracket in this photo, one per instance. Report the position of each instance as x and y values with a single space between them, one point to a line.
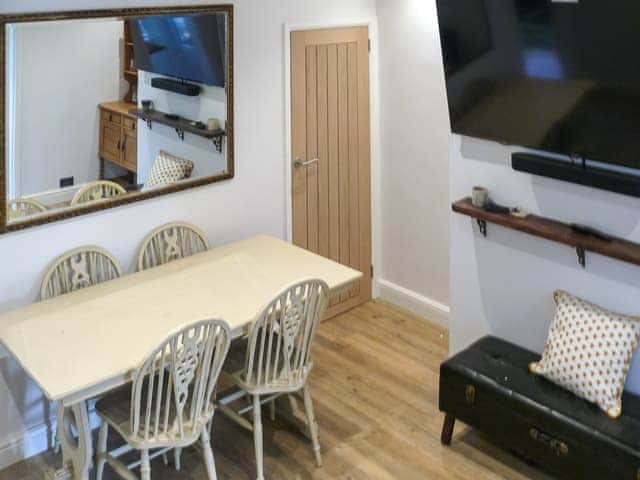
217 142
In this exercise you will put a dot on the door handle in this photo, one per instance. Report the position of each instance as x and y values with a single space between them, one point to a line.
298 163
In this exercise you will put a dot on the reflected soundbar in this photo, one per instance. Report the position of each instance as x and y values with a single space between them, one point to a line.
176 86
596 177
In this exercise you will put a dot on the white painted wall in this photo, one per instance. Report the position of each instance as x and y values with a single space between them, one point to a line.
415 159
63 71
254 201
503 285
211 103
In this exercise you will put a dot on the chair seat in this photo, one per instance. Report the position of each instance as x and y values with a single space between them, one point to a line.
115 409
236 357
234 367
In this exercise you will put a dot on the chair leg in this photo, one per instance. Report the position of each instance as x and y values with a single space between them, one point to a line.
257 436
102 449
313 426
145 466
208 454
177 458
55 442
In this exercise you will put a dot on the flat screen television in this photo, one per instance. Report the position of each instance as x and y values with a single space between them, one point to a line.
188 47
558 76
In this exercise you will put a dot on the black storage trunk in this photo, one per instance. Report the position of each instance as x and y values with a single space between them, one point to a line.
488 387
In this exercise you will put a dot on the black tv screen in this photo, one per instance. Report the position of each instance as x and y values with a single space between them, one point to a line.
188 47
558 76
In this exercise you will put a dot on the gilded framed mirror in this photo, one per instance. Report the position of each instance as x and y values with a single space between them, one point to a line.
102 108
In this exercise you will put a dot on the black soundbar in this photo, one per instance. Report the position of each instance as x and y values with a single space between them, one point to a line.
596 177
176 86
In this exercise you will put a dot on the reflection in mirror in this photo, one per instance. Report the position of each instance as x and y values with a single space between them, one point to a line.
99 109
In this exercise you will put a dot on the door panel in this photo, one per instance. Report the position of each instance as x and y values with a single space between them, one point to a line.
110 142
130 150
330 137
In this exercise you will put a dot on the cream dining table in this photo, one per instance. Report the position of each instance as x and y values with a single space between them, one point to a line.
83 344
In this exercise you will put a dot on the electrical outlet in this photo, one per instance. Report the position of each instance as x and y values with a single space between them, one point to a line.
66 182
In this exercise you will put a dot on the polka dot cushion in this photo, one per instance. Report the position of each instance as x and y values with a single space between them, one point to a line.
589 351
168 169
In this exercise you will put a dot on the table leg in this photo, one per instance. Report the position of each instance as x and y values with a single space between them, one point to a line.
77 454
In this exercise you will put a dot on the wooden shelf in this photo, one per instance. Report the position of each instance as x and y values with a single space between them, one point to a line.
180 125
555 231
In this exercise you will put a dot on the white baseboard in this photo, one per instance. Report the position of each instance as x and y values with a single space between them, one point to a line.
414 302
32 442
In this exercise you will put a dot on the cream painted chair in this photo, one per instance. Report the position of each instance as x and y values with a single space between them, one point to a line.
170 402
24 207
275 359
79 268
171 242
98 190
76 269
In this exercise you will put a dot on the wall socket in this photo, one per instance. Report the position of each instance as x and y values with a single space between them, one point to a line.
66 182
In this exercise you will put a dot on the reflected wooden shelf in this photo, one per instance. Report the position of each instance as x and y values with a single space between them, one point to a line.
553 230
181 125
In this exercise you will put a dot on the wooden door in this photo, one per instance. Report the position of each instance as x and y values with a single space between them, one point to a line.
331 171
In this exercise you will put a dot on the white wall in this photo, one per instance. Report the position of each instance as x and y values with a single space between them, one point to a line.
211 103
415 153
254 201
63 71
503 285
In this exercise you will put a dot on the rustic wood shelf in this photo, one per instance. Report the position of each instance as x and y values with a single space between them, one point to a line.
181 125
555 231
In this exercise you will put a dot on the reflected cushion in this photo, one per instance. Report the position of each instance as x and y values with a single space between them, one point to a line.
589 351
168 169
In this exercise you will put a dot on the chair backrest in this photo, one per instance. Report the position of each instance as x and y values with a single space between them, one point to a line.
98 190
278 351
171 242
79 268
23 207
171 398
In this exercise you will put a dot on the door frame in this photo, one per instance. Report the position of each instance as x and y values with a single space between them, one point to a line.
374 128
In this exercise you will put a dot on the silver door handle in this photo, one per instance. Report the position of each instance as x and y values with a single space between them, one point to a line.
299 163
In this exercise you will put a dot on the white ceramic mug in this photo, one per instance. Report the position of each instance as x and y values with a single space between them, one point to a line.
213 124
479 197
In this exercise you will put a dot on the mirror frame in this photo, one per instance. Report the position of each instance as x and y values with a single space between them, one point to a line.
120 13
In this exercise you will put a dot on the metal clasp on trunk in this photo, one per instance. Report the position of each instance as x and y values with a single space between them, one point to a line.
470 394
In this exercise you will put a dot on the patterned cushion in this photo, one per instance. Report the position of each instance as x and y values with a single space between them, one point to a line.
168 169
589 351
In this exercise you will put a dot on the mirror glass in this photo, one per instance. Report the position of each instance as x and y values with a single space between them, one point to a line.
101 111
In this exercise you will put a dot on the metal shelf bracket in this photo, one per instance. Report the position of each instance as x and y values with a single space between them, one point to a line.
582 259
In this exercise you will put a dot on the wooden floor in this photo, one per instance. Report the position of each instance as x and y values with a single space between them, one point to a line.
375 388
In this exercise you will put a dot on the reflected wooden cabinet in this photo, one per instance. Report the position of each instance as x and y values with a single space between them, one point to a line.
118 136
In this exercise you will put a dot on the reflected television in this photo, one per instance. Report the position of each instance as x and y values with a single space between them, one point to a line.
188 47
